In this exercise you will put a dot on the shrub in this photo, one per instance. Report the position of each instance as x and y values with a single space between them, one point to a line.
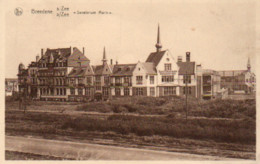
118 108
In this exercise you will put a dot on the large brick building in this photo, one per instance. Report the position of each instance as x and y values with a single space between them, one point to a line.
65 74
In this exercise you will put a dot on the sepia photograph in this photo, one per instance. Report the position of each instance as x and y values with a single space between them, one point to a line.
130 80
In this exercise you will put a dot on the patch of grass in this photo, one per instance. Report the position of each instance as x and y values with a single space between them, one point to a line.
217 130
13 155
167 105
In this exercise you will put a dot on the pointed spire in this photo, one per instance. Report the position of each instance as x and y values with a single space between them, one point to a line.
104 55
248 64
158 44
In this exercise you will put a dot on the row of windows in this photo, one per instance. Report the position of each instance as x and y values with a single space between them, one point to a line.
139 80
52 81
105 91
118 91
55 73
51 91
187 89
58 64
138 91
61 64
167 79
169 91
118 80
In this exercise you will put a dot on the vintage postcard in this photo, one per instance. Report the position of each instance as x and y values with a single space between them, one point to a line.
146 80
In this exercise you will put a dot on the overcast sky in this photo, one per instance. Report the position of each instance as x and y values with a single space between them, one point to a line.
220 35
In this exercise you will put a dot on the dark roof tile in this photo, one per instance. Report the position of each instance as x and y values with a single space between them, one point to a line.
186 68
155 57
123 69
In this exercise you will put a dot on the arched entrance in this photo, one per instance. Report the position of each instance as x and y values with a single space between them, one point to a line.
98 96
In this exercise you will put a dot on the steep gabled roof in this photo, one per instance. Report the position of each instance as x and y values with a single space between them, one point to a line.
98 69
101 69
78 55
57 53
186 68
150 68
123 69
155 57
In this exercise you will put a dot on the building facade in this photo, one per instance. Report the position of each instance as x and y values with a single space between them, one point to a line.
238 81
65 74
210 84
11 86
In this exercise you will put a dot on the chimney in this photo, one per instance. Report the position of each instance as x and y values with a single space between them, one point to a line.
37 58
111 61
187 56
179 58
42 51
116 62
71 50
83 51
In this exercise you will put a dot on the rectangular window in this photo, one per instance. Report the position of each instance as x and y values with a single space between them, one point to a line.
139 91
98 78
106 80
127 81
72 91
152 91
80 91
118 91
169 91
139 80
188 89
187 79
87 92
61 91
151 79
98 81
167 67
81 81
98 88
118 81
105 91
126 91
89 80
72 81
167 79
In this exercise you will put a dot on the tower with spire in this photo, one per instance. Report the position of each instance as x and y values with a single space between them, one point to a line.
158 44
104 60
248 65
